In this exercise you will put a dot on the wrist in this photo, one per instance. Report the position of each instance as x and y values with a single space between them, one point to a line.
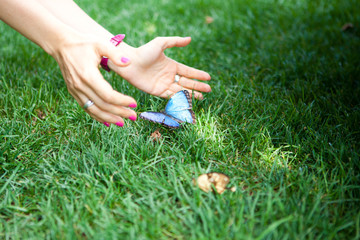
55 43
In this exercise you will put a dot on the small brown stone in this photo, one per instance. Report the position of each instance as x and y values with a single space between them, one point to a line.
218 180
209 19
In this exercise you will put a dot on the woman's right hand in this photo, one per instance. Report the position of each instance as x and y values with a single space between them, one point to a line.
153 72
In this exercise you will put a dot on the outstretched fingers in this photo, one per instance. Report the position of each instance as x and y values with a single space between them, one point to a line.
190 72
109 105
194 85
176 88
95 112
99 88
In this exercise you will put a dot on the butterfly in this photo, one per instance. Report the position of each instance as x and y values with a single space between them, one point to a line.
178 110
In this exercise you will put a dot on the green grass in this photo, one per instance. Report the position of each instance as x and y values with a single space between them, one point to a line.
282 121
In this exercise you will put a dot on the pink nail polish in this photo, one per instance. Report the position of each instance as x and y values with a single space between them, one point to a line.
125 60
132 105
120 124
106 124
132 118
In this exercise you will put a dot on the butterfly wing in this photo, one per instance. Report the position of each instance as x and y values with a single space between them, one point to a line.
160 118
179 107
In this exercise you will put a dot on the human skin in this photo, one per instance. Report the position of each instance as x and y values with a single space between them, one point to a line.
77 43
77 54
151 71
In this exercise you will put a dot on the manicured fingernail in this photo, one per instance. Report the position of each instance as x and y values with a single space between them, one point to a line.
132 105
106 124
120 124
125 60
132 118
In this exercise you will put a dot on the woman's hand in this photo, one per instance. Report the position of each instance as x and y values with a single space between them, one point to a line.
78 56
79 59
153 72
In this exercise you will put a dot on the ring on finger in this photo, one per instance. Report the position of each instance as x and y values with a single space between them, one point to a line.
88 104
177 78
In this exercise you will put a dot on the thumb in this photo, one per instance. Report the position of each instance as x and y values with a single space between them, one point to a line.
169 42
114 54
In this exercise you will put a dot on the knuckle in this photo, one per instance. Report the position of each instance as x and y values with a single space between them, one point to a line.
160 41
108 97
87 75
77 85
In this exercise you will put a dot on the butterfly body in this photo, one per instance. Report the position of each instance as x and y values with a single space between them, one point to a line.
178 110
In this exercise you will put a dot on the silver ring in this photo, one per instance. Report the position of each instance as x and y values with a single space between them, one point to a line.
88 104
177 78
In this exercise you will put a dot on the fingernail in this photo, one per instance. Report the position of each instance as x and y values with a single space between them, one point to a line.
120 124
132 105
125 60
106 124
132 118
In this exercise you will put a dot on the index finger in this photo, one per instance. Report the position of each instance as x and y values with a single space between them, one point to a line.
104 90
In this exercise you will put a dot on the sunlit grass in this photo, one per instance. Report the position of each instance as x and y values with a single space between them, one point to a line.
282 121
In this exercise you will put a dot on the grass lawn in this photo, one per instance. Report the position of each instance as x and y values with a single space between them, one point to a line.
283 121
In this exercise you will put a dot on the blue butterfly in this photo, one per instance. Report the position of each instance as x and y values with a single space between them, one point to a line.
177 111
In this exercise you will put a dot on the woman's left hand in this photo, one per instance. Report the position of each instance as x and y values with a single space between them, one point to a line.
153 72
